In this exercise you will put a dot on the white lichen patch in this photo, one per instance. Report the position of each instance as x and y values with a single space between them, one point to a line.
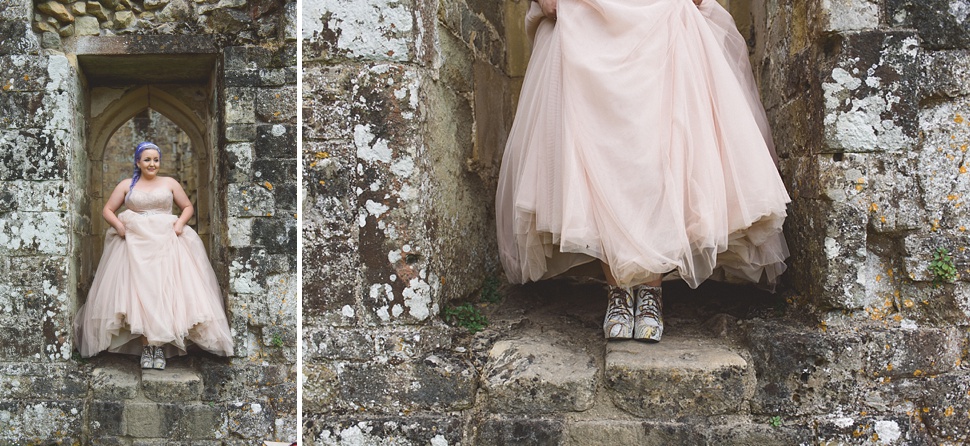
959 9
418 298
850 15
369 147
243 279
373 29
43 232
888 431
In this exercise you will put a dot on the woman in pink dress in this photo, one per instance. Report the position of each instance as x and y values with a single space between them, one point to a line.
640 143
155 291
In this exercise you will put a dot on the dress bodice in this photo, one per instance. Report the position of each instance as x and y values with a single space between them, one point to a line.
155 201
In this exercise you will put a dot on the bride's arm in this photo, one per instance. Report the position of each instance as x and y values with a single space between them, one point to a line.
111 206
549 7
183 202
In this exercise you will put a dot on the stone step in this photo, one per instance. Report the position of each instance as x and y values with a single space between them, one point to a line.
178 382
536 374
681 376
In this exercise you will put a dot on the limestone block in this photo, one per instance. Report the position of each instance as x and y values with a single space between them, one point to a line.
851 15
441 382
25 342
150 420
276 105
411 429
23 73
240 231
943 179
941 24
803 371
893 429
361 344
155 4
19 110
905 353
277 235
250 420
66 31
178 382
106 419
250 268
39 421
20 39
945 407
87 26
41 25
33 233
228 21
678 377
240 132
174 11
871 93
79 8
371 30
240 161
508 431
538 375
890 184
288 22
56 10
273 171
275 141
115 380
946 73
240 105
123 19
202 421
250 200
920 248
96 9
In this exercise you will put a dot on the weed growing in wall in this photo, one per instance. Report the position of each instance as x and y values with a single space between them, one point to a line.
942 267
465 315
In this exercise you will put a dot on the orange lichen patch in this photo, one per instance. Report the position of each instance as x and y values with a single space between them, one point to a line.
948 412
322 155
7 86
823 325
313 164
889 367
898 318
908 303
958 119
882 218
878 278
322 183
873 207
950 157
918 372
926 410
268 185
962 228
963 148
952 197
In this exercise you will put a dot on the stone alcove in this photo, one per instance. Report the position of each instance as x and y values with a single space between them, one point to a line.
127 91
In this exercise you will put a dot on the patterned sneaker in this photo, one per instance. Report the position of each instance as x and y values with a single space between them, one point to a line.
648 320
619 314
158 362
146 357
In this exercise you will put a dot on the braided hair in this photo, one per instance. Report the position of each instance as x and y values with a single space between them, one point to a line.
138 151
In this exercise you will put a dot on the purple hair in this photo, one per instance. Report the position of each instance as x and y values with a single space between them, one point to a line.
138 151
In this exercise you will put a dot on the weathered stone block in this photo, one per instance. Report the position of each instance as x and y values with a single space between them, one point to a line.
24 342
250 268
38 421
941 24
56 10
384 32
240 105
803 371
903 353
106 418
202 421
250 420
871 94
23 73
116 380
87 26
277 105
276 235
414 429
250 200
20 38
32 233
944 183
891 429
26 155
178 382
273 171
275 141
501 431
539 375
240 161
150 420
676 378
945 73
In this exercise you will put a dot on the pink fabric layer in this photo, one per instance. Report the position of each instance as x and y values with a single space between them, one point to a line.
155 284
640 140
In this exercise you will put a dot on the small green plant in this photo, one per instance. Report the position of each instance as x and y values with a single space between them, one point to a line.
942 267
277 340
490 292
465 315
774 421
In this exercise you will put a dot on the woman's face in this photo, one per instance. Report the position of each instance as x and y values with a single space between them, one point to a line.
149 163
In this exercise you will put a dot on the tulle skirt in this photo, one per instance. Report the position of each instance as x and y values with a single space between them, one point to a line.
155 284
640 140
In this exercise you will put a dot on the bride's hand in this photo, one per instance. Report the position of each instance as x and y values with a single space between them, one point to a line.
178 226
121 231
549 7
697 2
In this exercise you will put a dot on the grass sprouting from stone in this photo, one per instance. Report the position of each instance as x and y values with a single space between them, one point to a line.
467 316
490 290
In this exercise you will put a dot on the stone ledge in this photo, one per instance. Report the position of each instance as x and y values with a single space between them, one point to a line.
678 377
178 382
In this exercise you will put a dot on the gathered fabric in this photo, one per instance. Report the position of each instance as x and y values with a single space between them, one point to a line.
640 140
153 283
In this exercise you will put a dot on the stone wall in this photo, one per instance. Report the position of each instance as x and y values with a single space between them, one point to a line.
406 108
864 345
248 116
